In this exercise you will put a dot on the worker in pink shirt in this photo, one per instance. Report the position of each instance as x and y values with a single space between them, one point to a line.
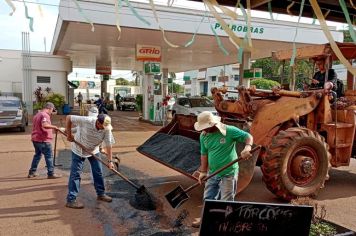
41 138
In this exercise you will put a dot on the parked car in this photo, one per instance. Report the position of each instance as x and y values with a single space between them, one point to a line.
193 106
127 103
13 113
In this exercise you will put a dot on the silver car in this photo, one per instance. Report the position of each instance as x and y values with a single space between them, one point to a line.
13 113
193 106
127 103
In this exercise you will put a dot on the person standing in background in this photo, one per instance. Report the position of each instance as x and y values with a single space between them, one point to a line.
42 137
80 99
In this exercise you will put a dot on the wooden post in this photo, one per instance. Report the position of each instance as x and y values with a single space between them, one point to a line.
350 80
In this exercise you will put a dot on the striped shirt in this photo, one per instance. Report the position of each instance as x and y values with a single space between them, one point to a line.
89 136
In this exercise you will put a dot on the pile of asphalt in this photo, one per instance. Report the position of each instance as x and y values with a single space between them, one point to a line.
175 151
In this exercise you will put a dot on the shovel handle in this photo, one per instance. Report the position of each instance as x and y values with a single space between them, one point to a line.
219 170
103 162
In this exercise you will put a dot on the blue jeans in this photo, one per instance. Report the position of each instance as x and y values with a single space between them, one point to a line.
45 149
75 172
221 188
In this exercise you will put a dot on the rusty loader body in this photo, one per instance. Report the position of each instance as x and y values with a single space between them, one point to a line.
301 135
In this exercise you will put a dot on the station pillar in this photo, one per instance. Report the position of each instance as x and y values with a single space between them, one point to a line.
164 82
147 91
245 65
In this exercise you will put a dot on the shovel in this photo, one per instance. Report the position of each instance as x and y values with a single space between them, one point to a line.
143 200
179 195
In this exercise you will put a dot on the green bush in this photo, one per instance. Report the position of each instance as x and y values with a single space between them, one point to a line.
264 83
57 99
139 102
38 105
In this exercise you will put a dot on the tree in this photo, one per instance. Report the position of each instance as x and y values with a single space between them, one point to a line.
177 88
136 75
122 81
347 36
132 83
272 69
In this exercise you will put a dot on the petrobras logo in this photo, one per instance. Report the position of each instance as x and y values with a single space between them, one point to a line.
148 53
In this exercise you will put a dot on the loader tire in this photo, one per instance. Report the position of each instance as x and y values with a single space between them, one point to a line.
297 163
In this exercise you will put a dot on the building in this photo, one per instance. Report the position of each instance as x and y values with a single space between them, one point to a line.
199 82
22 72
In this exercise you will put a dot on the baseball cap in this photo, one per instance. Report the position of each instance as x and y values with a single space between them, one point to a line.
105 120
50 105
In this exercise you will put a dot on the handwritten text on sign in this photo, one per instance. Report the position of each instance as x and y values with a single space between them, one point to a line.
246 218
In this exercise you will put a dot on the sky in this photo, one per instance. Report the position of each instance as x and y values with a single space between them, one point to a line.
45 17
43 24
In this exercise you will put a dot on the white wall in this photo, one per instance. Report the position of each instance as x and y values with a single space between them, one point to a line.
58 80
42 64
196 86
11 70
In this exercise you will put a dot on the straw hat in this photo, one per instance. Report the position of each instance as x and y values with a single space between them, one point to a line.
206 120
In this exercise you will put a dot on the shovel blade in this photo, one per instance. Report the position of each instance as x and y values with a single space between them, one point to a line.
177 197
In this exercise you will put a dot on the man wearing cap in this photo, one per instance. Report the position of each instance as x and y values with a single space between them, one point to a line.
91 132
319 81
217 147
41 138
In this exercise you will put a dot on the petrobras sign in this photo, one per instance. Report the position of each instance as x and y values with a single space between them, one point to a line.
148 53
241 28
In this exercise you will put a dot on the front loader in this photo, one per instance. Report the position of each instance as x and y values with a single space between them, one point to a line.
301 136
302 133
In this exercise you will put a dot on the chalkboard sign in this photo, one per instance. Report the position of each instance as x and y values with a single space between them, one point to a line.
251 218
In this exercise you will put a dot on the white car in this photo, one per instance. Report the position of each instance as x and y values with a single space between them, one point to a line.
193 106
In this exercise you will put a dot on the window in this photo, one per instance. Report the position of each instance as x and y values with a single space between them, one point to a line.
129 100
213 78
184 102
236 77
10 103
201 102
43 79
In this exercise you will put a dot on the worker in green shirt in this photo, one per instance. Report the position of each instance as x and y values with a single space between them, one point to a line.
217 147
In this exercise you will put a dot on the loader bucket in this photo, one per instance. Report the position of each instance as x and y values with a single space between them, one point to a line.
177 147
246 170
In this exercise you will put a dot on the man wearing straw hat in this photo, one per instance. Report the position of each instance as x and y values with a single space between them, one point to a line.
217 147
90 132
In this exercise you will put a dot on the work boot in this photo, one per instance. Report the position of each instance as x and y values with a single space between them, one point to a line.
32 175
75 205
54 176
196 223
104 198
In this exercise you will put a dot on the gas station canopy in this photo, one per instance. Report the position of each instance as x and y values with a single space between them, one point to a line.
87 49
332 7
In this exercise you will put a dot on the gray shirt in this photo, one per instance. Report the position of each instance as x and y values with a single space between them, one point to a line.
88 135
